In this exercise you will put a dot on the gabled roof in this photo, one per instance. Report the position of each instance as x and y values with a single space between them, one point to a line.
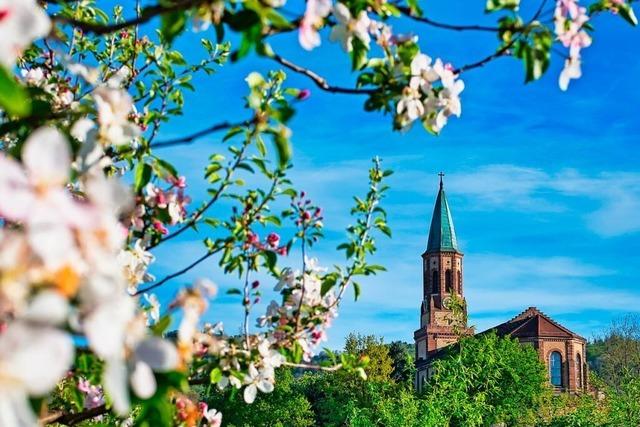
533 323
442 235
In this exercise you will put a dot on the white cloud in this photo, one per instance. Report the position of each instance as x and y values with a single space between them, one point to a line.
616 195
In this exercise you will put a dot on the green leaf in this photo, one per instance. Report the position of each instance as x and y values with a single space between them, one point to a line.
172 24
234 291
328 283
356 291
493 5
270 259
14 99
358 54
283 148
142 176
626 12
159 328
215 375
415 7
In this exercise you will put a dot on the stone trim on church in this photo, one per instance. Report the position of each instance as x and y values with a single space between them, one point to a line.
563 352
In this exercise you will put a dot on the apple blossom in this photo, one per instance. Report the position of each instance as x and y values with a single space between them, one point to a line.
32 359
257 380
153 309
21 22
93 394
349 27
312 20
135 262
570 20
212 417
571 70
410 106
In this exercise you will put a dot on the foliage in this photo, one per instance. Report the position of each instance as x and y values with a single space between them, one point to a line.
616 355
380 364
285 407
404 369
486 379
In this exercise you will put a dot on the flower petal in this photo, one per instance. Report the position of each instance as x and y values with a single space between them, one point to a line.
143 382
115 384
250 393
46 157
36 357
159 354
17 196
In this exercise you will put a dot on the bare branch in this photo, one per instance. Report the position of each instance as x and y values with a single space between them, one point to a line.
196 135
407 12
503 51
178 273
320 81
73 419
314 367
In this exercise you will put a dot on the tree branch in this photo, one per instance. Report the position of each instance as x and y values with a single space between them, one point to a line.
320 81
178 273
407 12
196 135
503 51
73 419
147 14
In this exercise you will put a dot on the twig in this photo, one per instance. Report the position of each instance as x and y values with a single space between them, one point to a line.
407 12
147 14
314 367
204 132
73 419
178 273
503 51
247 304
320 81
198 214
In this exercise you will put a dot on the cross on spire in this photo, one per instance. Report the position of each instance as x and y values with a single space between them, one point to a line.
441 175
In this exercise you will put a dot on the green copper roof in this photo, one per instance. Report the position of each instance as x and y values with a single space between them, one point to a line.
442 235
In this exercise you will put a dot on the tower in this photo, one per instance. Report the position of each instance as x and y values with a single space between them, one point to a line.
443 308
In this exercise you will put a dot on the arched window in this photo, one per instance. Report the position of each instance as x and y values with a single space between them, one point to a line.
448 281
435 282
459 282
555 368
579 372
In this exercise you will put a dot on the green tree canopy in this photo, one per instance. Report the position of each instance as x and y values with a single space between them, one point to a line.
487 379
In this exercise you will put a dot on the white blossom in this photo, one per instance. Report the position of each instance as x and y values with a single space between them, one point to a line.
257 380
32 360
21 22
349 27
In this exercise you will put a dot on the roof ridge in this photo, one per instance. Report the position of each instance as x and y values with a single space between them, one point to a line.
536 311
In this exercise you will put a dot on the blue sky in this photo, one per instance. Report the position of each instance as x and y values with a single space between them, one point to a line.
544 185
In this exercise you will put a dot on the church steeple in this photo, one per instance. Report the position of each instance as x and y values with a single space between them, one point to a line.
442 234
442 285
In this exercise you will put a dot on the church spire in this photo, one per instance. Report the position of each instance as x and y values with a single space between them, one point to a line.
442 235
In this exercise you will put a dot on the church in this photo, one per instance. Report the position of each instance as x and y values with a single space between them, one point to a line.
562 351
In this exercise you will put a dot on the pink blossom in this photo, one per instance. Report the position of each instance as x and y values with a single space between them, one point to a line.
273 240
312 20
159 226
252 238
180 182
304 94
94 396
